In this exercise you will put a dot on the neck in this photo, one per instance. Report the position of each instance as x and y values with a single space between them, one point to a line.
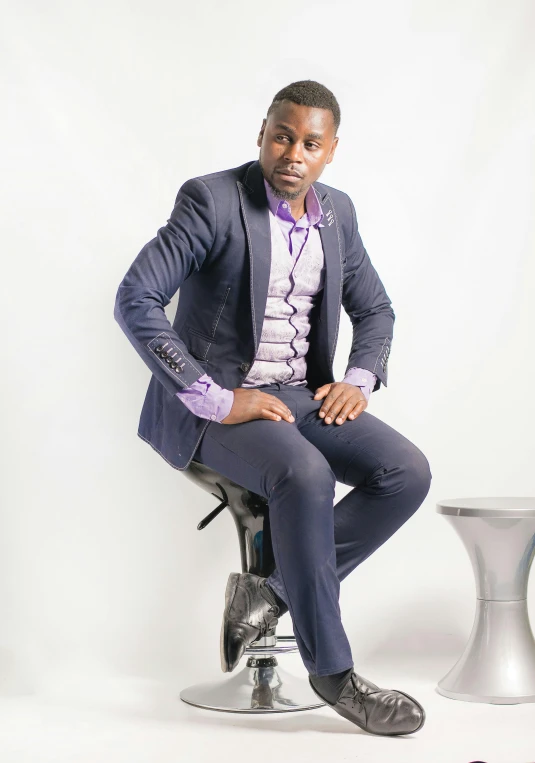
298 207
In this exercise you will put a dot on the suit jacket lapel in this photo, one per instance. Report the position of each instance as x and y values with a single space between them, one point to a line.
332 290
255 211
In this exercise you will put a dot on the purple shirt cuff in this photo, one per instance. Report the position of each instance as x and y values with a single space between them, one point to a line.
207 399
362 378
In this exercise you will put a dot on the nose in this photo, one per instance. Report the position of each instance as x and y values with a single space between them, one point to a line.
293 153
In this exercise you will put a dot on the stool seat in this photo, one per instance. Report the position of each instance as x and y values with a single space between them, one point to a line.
498 663
262 685
249 511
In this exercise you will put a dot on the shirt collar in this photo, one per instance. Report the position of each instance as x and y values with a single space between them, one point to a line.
313 214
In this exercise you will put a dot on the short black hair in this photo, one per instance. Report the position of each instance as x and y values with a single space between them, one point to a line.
307 92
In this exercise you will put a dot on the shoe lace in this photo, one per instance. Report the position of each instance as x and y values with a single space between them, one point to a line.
268 595
265 625
360 692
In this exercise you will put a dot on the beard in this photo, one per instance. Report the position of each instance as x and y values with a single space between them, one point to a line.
277 192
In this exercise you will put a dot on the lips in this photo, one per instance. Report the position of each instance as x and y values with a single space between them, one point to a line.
290 177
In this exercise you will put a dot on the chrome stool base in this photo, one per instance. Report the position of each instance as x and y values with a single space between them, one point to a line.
262 686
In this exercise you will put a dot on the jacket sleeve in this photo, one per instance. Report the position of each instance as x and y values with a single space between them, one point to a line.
369 307
161 267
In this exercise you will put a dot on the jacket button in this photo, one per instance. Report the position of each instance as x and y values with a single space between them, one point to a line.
178 370
245 366
159 349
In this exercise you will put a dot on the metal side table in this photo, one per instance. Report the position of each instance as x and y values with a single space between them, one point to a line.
498 663
262 686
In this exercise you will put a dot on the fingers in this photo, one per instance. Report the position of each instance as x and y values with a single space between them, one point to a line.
354 411
322 391
274 416
331 405
276 410
250 404
340 415
342 407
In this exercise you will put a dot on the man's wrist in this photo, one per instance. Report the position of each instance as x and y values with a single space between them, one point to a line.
362 378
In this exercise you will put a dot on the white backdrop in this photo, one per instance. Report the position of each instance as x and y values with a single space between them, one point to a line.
108 108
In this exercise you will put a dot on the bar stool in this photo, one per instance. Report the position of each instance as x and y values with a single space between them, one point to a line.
262 686
498 663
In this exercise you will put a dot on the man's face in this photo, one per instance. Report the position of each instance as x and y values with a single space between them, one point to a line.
296 142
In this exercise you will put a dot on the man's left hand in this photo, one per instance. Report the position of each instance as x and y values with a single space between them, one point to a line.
342 401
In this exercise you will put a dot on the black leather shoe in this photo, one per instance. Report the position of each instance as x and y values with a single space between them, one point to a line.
250 612
380 711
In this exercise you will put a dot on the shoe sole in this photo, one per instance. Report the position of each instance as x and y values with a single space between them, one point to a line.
376 733
230 592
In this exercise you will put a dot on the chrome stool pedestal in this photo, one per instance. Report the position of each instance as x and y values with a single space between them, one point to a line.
262 686
498 663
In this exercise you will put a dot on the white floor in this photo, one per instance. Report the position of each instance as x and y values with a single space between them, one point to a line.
141 722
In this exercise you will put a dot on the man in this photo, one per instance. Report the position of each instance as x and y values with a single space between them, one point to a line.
264 257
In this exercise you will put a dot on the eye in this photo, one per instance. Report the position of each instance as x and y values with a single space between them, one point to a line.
282 137
312 146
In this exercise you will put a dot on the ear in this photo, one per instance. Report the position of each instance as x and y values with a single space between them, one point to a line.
261 134
331 152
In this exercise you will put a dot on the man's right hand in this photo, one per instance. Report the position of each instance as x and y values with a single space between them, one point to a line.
252 404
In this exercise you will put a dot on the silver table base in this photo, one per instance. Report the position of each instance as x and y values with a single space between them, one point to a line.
498 663
262 686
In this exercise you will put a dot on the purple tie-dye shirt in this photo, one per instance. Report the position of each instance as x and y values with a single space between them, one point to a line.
205 398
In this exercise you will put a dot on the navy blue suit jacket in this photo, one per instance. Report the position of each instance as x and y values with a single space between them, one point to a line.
216 248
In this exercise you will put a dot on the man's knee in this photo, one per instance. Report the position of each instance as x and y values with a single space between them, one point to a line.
405 471
417 473
310 474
